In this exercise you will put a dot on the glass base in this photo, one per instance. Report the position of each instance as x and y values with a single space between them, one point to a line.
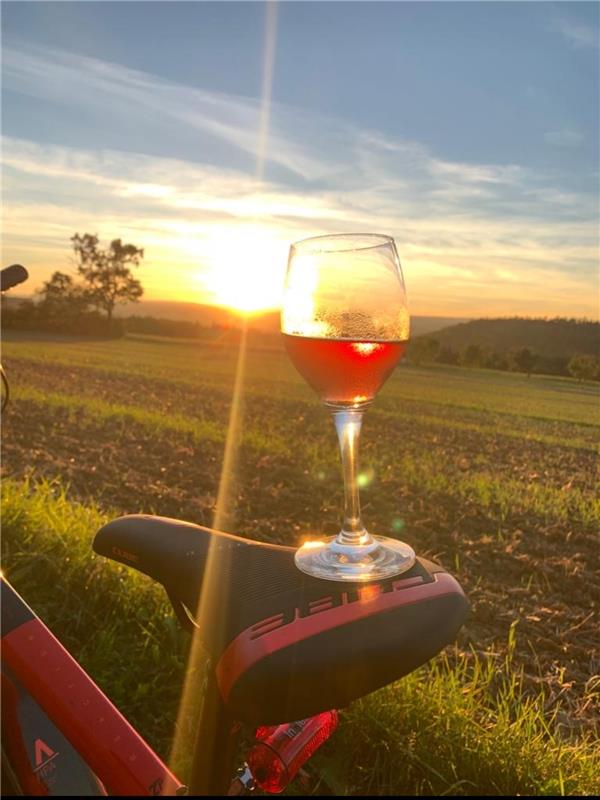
381 558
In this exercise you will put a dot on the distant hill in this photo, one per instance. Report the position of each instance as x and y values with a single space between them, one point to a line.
421 326
556 338
267 322
192 312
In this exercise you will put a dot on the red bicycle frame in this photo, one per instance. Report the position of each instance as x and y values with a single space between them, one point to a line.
35 665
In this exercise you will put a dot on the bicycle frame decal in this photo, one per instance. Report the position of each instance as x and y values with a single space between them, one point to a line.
43 754
42 760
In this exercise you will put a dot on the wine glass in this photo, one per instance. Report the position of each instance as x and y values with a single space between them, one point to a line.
345 325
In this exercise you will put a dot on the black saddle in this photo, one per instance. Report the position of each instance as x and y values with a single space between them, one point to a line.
284 645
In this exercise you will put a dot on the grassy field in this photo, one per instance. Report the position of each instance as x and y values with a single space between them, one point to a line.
492 474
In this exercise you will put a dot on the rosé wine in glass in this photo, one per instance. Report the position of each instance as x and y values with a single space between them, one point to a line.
345 326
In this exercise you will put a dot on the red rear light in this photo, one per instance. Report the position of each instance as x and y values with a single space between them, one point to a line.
264 731
282 749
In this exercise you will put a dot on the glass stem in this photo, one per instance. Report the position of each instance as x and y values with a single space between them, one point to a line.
348 423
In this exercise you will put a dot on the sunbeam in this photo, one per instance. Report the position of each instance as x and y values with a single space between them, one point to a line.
212 606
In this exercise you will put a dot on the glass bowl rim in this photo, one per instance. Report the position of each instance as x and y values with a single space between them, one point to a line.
381 240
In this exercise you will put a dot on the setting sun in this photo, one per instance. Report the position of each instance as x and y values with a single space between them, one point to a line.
247 266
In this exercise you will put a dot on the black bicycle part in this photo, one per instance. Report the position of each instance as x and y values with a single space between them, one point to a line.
12 276
5 389
284 645
214 746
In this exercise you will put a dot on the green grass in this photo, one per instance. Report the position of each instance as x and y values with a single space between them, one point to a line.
430 473
116 622
462 727
449 388
502 495
199 429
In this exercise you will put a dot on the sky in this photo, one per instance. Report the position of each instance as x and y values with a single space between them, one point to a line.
214 134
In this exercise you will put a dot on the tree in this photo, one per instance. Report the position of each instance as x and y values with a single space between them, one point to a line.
447 356
495 360
423 350
584 368
471 356
521 359
58 289
106 272
61 299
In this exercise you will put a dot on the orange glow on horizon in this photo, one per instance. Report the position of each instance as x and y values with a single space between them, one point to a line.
246 313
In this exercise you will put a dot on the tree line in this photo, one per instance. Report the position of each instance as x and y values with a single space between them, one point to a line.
84 303
428 350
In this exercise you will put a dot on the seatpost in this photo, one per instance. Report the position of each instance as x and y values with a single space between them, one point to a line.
214 748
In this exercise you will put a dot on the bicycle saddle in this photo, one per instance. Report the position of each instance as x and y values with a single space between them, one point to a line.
284 645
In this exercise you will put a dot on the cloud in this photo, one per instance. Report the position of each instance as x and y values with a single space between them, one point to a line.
182 213
469 234
476 173
577 32
564 138
159 107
